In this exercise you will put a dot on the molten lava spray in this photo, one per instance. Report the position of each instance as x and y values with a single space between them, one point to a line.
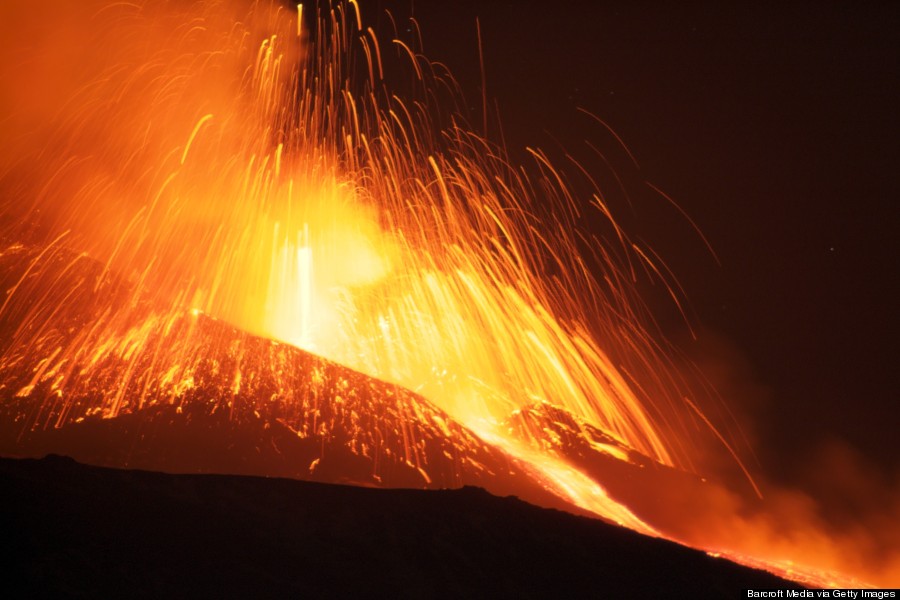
235 163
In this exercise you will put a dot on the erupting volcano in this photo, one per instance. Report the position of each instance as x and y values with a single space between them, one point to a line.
229 246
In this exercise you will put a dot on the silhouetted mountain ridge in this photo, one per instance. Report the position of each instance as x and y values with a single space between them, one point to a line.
77 530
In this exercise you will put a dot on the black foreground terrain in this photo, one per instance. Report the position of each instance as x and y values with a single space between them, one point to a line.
80 531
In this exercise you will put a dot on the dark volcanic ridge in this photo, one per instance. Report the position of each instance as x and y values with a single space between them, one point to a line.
77 530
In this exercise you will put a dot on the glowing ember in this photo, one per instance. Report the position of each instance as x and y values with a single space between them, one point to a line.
179 168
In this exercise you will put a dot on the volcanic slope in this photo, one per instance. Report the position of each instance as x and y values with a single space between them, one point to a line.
90 371
663 496
80 530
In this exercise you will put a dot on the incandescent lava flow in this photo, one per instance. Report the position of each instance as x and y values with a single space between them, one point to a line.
228 246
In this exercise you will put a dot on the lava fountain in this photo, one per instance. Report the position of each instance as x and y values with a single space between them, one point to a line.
181 185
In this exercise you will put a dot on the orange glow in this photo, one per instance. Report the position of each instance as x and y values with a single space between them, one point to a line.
215 162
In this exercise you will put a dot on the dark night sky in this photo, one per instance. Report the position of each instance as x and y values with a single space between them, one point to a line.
775 127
